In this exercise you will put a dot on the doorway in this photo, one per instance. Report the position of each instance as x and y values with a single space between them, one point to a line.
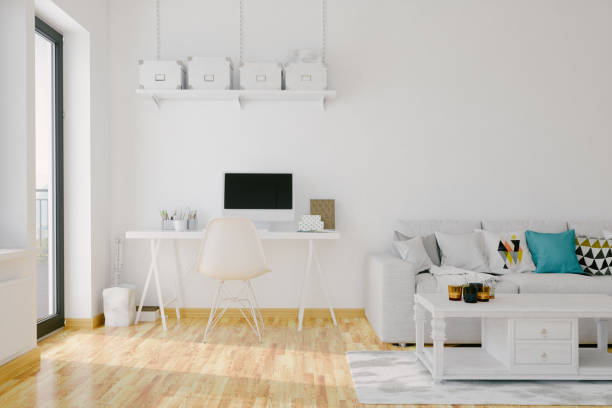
49 176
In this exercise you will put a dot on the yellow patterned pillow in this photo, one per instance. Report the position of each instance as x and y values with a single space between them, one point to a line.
594 255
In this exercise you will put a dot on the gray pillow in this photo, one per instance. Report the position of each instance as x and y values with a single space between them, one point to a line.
429 242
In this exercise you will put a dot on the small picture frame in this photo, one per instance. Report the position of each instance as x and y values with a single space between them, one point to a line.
326 208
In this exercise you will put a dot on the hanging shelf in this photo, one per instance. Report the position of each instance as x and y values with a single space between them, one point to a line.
237 96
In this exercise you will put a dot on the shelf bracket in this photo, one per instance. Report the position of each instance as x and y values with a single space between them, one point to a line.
239 103
323 104
157 101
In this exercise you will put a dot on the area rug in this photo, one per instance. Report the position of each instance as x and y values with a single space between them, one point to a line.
396 377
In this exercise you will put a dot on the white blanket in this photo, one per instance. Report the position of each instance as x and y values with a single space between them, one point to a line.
449 275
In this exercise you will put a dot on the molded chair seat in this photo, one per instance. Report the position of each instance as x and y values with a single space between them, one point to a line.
232 250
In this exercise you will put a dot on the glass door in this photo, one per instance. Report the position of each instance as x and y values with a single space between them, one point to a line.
49 192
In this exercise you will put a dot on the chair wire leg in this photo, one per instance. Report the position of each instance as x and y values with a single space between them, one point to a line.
249 308
253 311
216 302
257 308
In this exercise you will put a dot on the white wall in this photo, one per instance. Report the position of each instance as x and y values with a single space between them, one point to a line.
454 109
17 219
84 26
93 16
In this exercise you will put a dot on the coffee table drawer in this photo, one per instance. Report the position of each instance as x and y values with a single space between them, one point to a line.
543 353
536 329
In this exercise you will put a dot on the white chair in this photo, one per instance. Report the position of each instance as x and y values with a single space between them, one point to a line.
232 251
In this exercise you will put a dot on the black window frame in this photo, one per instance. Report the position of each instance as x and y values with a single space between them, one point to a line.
56 321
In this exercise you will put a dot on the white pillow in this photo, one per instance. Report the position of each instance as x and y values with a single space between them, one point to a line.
462 251
413 251
607 234
507 252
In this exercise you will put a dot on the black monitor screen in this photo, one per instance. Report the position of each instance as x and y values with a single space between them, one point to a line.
258 191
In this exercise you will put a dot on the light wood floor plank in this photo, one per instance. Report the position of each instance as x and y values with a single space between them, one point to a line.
143 366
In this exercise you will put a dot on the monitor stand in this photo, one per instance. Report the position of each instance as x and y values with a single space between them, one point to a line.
263 226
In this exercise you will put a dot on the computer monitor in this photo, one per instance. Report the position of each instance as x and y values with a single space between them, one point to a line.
259 196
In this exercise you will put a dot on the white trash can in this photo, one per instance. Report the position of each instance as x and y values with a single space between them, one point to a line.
119 306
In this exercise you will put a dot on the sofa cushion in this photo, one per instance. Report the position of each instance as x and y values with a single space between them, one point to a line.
412 228
506 286
426 283
554 253
462 251
561 283
593 229
426 229
522 225
507 252
413 251
594 255
429 242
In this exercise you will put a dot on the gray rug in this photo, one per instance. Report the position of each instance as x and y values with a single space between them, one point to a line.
396 377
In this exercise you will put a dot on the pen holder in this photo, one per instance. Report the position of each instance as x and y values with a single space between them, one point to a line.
167 225
192 224
180 225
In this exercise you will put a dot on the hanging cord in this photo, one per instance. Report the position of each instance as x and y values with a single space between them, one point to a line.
118 262
241 31
157 30
324 31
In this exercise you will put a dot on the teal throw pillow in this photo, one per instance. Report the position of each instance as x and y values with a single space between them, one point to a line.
553 253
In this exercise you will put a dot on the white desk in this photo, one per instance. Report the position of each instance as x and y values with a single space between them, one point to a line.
155 237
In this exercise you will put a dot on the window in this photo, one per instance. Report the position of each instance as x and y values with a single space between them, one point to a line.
49 175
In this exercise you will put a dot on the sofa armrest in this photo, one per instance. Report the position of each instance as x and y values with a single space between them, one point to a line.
389 299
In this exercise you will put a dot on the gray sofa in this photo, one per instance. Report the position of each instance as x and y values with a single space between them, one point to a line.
391 282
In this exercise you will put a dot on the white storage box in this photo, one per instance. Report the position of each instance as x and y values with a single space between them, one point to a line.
306 76
261 76
209 73
119 306
149 313
161 74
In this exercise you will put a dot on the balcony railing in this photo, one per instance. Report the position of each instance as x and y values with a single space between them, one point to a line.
42 222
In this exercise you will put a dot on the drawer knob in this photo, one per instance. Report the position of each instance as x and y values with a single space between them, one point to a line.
544 356
544 332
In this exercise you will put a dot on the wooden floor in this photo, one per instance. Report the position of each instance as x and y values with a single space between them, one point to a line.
141 366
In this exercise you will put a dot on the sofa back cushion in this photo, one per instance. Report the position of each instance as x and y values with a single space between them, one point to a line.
523 225
426 227
591 229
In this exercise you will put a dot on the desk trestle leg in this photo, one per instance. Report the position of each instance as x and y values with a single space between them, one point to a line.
312 257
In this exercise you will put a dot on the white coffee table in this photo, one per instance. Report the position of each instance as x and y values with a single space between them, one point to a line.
527 336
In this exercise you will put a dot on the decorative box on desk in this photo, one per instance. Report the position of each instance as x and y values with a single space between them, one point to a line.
155 74
261 76
305 76
209 73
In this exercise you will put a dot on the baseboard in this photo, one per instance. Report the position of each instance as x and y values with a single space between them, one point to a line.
202 313
25 363
98 321
89 324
